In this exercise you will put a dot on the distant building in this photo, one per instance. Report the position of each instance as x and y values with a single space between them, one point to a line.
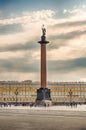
25 91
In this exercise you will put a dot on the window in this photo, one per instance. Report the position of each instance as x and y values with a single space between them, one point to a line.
63 93
78 93
10 93
27 93
21 93
5 94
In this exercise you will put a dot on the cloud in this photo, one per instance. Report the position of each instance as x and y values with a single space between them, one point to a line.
70 24
30 46
22 65
67 66
69 35
9 29
76 12
28 17
20 28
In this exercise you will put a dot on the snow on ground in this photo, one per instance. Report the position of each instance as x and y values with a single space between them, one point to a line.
59 108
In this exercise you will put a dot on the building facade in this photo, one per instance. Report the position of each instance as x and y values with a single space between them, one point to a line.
25 92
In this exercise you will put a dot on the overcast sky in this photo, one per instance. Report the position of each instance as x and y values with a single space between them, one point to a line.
20 30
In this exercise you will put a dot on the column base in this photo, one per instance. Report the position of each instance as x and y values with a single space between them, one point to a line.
43 96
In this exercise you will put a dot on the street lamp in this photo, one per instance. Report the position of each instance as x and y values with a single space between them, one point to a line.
70 94
4 101
30 84
16 93
10 96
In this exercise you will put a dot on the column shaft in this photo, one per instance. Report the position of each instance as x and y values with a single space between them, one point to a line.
43 65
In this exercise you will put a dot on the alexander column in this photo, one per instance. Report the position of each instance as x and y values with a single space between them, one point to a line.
43 93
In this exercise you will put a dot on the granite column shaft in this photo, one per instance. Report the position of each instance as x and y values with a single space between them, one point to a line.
43 65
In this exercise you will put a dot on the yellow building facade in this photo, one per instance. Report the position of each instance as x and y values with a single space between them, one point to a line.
25 92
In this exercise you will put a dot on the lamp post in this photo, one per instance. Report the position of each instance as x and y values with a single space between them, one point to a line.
4 101
30 84
70 94
16 93
10 93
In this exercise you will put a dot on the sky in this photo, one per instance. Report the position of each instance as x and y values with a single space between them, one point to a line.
20 30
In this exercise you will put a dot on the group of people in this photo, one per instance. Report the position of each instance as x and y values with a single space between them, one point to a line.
72 104
5 104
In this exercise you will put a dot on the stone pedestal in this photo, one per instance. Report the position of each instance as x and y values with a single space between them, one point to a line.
43 96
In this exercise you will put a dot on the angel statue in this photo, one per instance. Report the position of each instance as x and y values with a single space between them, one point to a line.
44 30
